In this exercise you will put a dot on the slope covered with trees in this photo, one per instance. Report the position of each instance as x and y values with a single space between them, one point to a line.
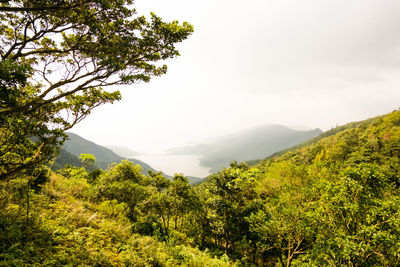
86 218
63 158
332 202
254 143
104 156
77 145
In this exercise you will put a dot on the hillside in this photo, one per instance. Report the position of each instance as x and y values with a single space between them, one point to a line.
312 141
72 223
375 140
77 145
331 201
64 157
254 143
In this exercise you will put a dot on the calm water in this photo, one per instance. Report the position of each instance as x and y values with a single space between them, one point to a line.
189 165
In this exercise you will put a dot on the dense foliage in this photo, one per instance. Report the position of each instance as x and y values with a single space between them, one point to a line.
75 222
75 145
57 57
332 202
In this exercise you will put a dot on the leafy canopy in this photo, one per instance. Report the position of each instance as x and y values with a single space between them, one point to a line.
56 59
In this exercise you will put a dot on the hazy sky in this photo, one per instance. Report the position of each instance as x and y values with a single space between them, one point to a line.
314 63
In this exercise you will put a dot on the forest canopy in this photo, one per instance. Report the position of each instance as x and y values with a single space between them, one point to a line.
333 201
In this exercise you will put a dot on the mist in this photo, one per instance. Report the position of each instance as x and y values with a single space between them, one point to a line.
317 64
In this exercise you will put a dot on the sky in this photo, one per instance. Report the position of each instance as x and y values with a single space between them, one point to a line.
305 64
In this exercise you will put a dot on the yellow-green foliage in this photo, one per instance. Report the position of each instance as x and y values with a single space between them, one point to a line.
68 229
335 200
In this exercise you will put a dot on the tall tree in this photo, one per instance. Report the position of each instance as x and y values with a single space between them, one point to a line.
56 58
232 200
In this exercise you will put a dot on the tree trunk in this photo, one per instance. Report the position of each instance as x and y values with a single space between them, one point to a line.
27 204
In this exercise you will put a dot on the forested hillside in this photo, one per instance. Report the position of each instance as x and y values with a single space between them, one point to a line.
76 145
70 220
104 156
254 143
334 201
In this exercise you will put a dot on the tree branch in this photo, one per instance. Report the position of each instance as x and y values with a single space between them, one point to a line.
32 9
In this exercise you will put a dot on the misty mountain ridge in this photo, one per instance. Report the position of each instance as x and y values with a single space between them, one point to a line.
253 143
123 151
249 144
76 145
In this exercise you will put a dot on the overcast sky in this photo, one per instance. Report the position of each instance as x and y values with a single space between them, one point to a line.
313 63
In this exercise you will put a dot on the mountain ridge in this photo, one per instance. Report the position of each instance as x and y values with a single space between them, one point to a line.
249 144
76 145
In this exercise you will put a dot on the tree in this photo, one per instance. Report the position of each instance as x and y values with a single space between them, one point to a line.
56 58
231 201
87 160
184 200
357 219
125 183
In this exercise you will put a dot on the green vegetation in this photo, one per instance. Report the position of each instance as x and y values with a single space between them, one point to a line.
77 145
76 222
332 202
63 158
57 58
250 144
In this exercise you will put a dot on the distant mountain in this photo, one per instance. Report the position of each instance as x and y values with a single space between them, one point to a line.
313 140
195 180
123 151
254 143
76 145
64 158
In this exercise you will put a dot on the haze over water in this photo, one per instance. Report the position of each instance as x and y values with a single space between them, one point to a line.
170 164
